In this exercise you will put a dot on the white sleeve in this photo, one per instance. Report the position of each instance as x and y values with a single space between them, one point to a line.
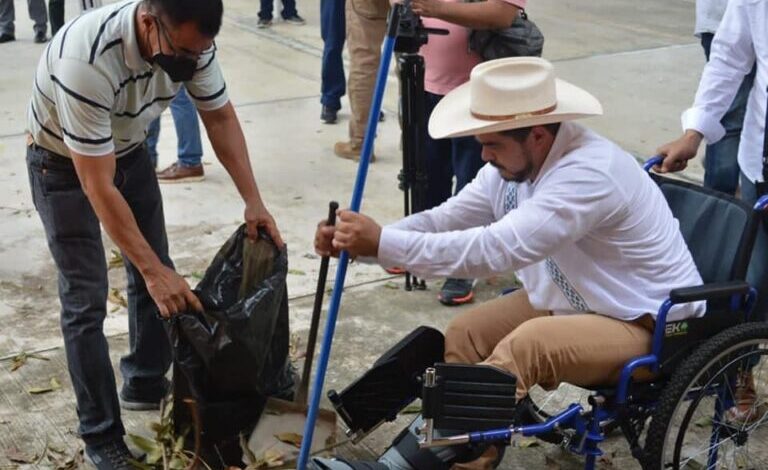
207 88
571 203
84 100
731 58
471 207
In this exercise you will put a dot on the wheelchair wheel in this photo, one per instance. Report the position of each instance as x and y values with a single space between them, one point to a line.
713 414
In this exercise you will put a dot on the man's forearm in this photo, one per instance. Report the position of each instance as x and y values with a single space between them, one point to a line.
228 142
119 222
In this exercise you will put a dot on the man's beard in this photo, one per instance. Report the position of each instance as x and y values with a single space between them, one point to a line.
519 176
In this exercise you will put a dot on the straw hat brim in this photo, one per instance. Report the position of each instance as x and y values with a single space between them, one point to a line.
452 117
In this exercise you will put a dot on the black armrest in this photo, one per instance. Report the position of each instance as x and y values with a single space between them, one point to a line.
715 290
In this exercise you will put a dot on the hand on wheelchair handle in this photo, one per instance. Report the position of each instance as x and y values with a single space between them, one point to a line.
677 153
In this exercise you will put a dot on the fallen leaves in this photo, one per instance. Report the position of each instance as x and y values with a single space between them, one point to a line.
60 460
18 456
297 272
115 260
527 442
391 285
116 297
411 409
271 458
164 450
53 386
290 438
20 359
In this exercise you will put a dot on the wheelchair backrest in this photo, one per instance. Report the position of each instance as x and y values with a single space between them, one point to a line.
718 229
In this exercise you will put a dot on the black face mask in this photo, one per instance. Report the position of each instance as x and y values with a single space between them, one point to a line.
179 68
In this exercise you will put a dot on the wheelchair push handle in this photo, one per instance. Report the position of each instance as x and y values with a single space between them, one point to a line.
652 162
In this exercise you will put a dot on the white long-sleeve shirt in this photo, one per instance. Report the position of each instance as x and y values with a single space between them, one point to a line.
708 15
740 40
592 233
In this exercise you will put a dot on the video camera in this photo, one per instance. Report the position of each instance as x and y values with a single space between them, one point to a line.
411 33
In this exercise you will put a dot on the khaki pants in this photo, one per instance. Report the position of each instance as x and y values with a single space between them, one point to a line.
366 27
539 348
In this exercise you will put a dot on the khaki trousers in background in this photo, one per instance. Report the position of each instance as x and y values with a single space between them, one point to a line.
544 349
366 27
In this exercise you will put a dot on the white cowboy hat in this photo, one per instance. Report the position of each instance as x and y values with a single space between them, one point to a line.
510 93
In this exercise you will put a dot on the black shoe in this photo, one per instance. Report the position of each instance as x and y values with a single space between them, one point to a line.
329 115
381 116
5 37
112 455
132 400
295 19
40 37
456 291
264 23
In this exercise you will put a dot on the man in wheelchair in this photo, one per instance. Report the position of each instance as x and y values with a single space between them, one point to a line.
590 236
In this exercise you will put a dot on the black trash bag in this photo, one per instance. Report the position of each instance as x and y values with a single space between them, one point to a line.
235 355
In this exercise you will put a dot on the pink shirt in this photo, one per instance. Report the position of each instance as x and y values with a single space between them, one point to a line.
448 60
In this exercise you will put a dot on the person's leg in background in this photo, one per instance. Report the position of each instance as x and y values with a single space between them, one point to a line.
333 83
189 166
366 26
56 15
7 19
290 14
265 13
153 134
757 275
39 15
721 168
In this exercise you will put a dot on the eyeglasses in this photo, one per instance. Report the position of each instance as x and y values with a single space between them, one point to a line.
180 51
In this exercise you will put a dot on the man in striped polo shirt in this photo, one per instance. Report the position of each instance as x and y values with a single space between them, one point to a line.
103 78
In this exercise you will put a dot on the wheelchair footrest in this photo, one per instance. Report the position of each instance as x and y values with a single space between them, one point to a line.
469 397
391 384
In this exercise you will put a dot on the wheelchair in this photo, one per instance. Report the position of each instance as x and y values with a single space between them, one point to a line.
706 406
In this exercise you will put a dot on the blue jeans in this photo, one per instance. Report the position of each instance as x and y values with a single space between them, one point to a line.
757 275
460 156
190 148
74 239
721 168
333 29
289 9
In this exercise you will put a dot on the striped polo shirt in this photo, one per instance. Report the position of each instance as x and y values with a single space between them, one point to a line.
94 93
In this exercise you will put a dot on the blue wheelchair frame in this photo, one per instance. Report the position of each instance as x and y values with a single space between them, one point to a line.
589 426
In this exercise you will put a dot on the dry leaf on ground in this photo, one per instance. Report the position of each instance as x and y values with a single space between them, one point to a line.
17 456
53 385
115 259
19 360
116 297
290 438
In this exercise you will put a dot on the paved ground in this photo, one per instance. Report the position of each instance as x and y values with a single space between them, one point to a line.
639 59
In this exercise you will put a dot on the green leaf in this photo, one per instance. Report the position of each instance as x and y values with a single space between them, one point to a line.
703 422
411 409
179 445
297 272
525 443
143 443
391 285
